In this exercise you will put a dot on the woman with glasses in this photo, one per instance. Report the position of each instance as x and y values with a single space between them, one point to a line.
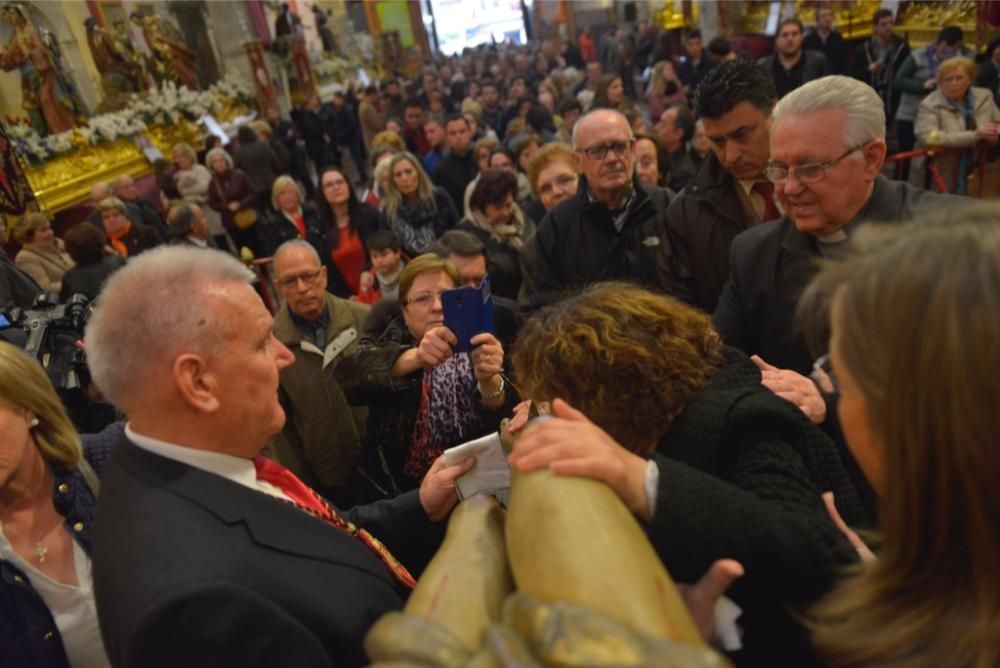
679 425
957 115
553 174
497 221
341 236
414 208
913 315
439 399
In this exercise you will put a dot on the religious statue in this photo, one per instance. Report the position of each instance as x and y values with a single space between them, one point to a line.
172 59
119 72
45 95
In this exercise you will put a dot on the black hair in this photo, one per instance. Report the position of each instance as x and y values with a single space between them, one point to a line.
458 242
792 20
413 102
369 90
950 35
181 222
538 118
692 34
881 14
730 83
684 119
719 46
85 243
507 152
326 215
568 104
493 187
450 118
384 239
246 135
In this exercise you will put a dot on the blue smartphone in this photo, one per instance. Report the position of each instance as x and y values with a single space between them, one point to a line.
467 312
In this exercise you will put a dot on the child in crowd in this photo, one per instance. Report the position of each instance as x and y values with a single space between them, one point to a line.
387 265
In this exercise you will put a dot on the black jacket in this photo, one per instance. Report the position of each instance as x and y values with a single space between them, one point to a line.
141 238
577 243
278 229
741 476
141 211
503 262
318 235
812 65
702 222
455 173
88 279
16 287
865 55
771 264
258 161
683 166
183 557
834 48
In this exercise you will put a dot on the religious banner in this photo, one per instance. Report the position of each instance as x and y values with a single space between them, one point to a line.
15 193
303 69
266 95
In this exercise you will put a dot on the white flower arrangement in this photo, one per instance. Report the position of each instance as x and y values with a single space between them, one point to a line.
168 105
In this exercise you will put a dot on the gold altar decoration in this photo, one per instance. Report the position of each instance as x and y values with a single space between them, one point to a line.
66 180
677 14
921 22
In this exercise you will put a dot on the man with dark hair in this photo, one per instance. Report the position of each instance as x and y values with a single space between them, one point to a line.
516 93
392 99
570 109
413 133
826 39
675 129
694 66
437 139
720 51
370 115
790 65
342 123
187 227
489 97
728 193
916 78
458 168
878 59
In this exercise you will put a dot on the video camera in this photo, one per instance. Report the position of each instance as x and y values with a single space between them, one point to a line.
52 330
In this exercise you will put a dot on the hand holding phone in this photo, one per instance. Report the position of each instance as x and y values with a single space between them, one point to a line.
468 312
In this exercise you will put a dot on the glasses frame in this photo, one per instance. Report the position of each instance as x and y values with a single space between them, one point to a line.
292 282
423 300
591 154
772 169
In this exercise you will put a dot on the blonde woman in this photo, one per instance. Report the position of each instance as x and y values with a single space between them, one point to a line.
48 490
913 351
42 255
414 208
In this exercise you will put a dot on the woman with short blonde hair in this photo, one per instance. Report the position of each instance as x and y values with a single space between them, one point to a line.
42 256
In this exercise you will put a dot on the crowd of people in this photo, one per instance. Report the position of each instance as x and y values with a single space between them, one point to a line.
773 347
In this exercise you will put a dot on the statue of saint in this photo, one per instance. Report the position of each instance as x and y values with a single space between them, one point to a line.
172 59
119 73
44 93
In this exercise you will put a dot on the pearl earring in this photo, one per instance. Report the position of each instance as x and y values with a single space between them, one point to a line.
34 422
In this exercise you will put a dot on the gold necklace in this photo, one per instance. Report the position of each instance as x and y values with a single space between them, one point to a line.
41 552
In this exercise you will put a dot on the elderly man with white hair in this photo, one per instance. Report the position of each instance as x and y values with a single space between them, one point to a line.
205 552
610 230
827 150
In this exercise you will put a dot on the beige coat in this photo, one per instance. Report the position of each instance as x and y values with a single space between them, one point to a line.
45 264
941 124
372 122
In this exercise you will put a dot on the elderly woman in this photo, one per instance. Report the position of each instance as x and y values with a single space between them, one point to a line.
232 195
497 221
42 255
957 115
440 398
85 244
652 161
414 208
553 174
341 237
502 158
48 490
928 448
128 239
193 183
741 471
289 216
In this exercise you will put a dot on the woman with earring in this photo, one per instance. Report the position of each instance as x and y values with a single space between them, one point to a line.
48 491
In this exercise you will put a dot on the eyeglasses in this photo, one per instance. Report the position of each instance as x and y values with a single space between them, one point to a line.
620 148
810 173
423 300
823 375
563 183
955 78
309 277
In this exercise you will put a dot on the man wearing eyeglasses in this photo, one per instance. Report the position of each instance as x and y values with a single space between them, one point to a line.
322 434
827 150
610 230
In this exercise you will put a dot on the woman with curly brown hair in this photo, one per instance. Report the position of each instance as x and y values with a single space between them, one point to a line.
684 432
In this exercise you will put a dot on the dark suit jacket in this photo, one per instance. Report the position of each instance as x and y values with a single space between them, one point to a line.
771 264
191 569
